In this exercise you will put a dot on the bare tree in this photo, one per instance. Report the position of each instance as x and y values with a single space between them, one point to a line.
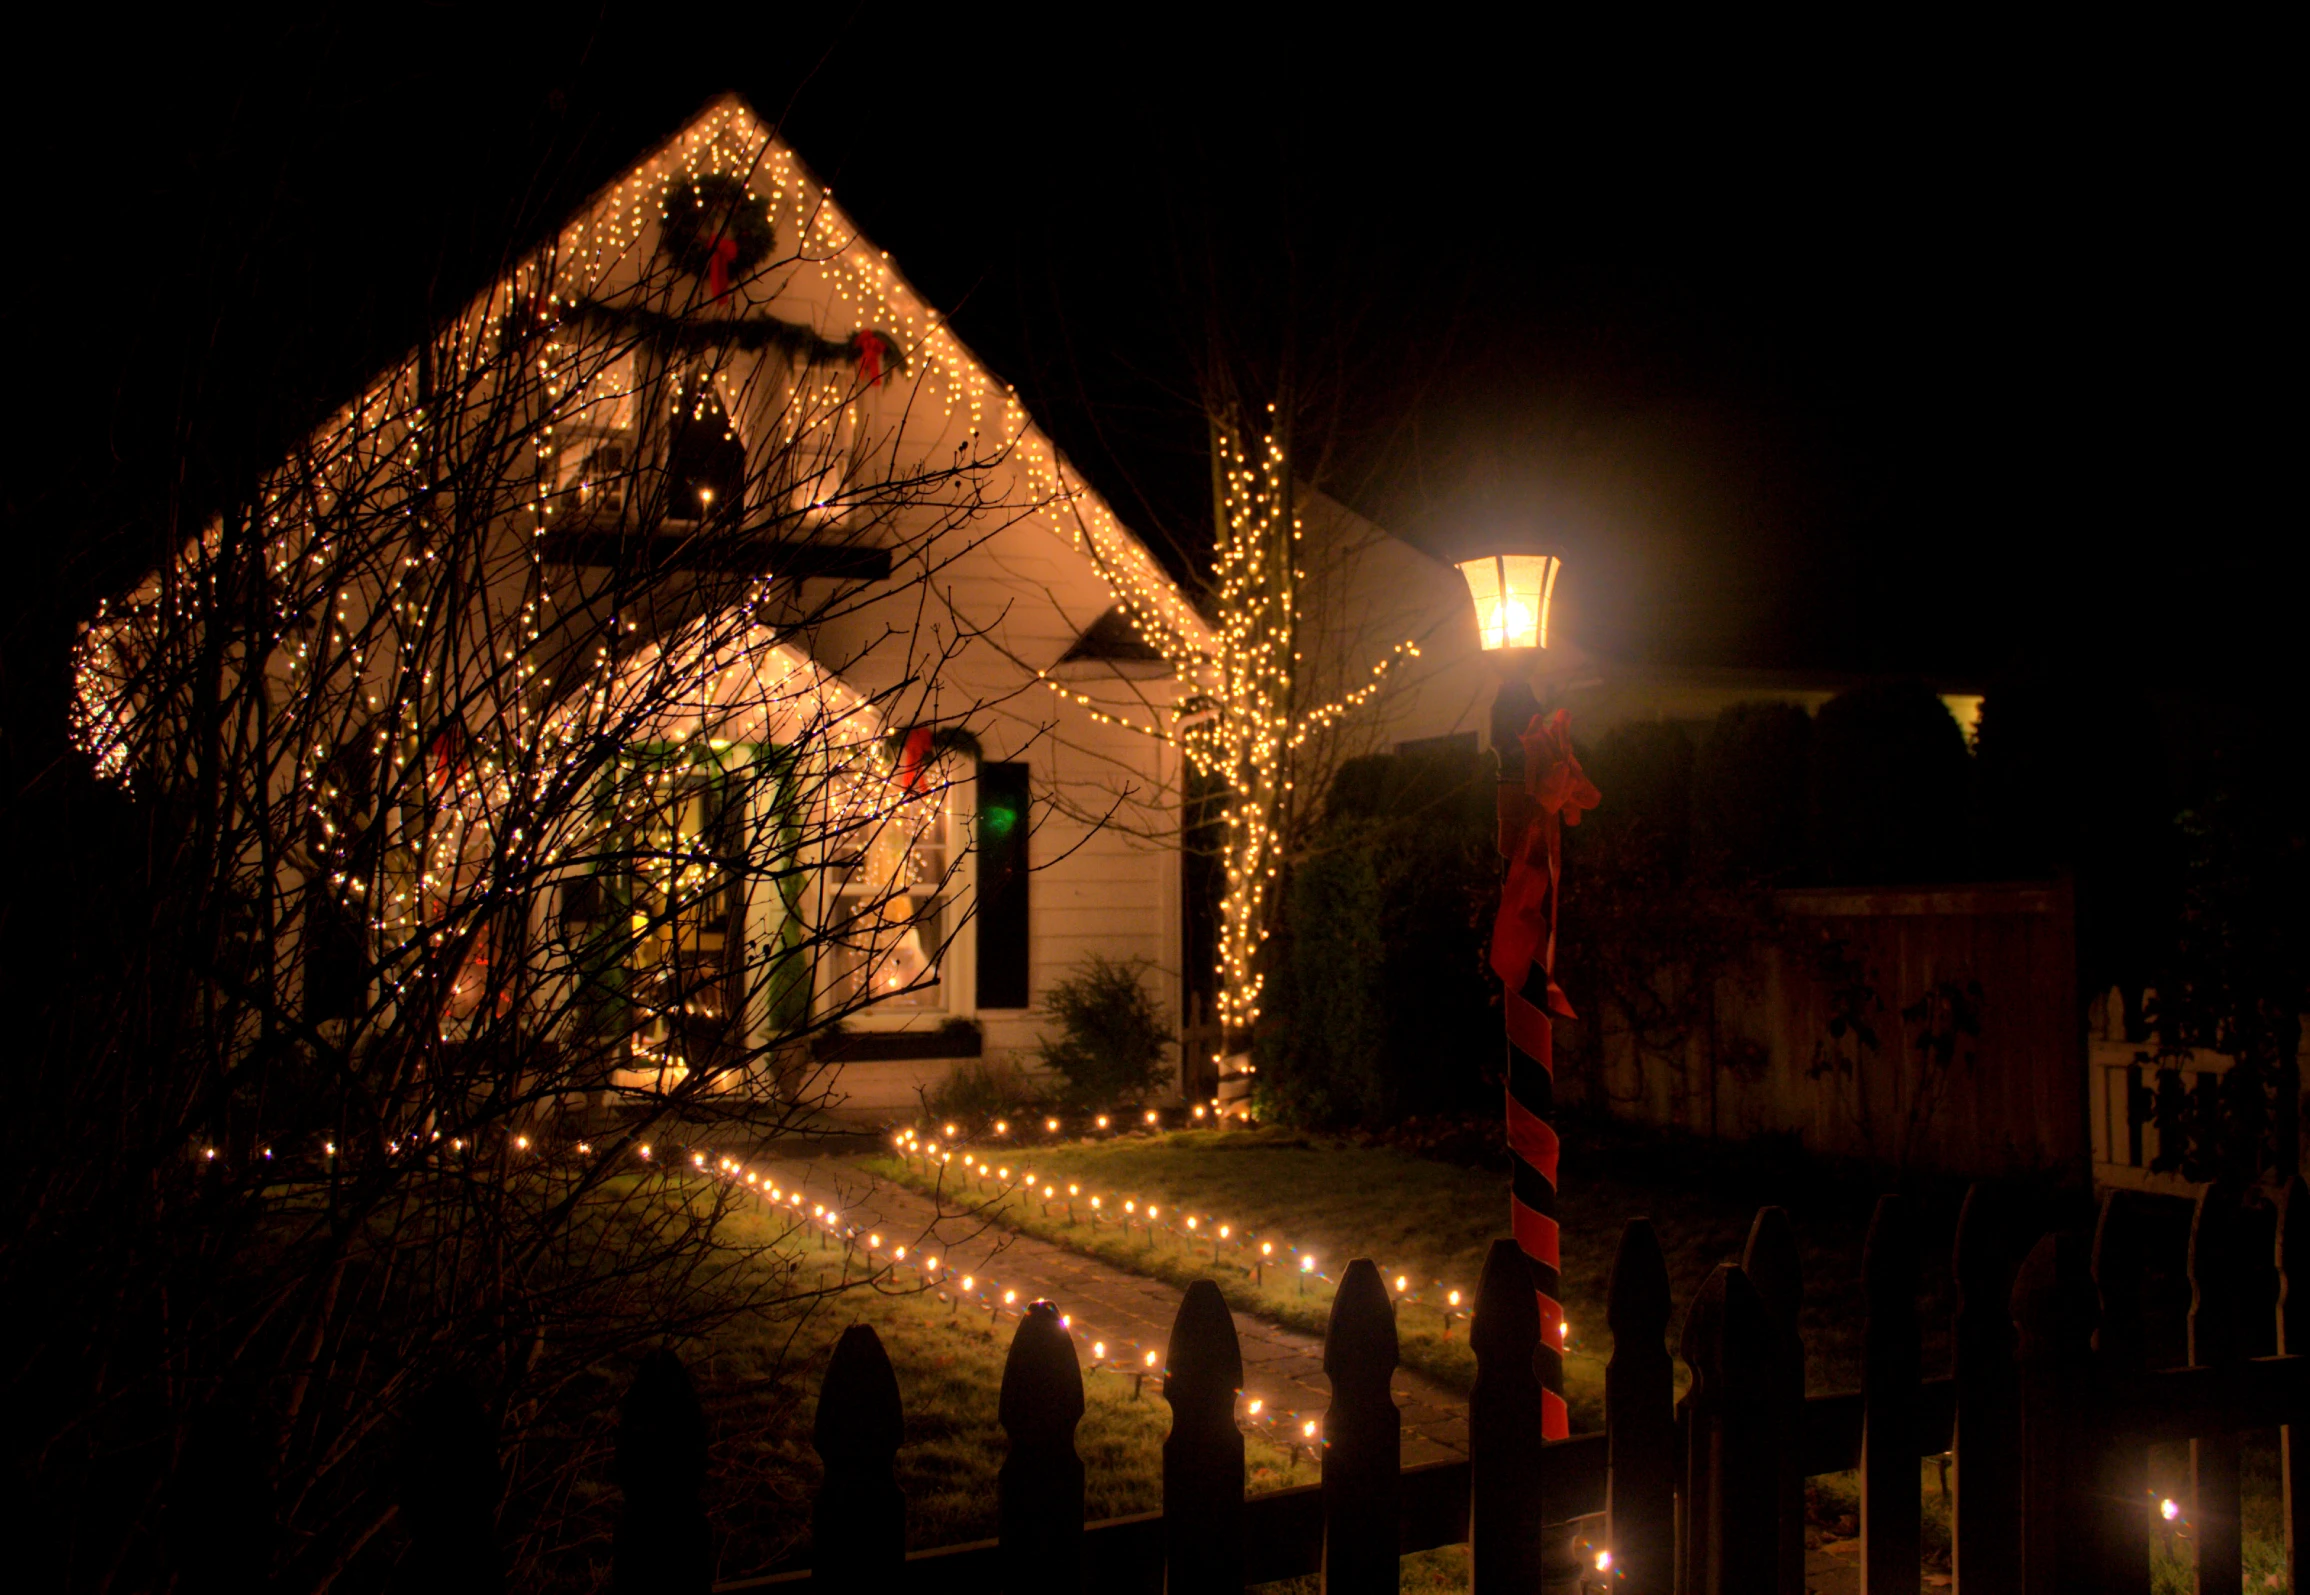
1251 730
512 832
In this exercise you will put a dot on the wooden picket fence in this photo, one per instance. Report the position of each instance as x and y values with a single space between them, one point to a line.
2047 1419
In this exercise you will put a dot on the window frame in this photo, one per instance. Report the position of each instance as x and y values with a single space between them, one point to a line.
956 781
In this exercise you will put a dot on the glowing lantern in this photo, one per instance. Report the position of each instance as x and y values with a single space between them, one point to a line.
1512 594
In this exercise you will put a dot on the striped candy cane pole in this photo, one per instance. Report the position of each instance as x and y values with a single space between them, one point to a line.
1542 790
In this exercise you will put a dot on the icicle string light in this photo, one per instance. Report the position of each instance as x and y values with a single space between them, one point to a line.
398 563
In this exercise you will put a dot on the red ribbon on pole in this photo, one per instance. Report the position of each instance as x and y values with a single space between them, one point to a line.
1555 794
1559 791
718 267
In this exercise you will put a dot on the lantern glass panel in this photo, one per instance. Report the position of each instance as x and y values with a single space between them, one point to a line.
1512 593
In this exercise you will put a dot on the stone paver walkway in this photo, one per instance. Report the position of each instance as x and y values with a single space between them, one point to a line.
1130 1315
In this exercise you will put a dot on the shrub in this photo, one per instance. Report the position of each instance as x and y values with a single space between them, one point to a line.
976 1091
1648 921
1892 787
1378 1001
2069 783
1644 770
1320 1053
1749 782
1112 1037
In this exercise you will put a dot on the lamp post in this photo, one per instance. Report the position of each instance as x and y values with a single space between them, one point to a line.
1512 593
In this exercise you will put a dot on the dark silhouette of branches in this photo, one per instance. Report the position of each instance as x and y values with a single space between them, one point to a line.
498 830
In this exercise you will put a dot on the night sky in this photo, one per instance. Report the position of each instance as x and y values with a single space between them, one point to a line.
1954 355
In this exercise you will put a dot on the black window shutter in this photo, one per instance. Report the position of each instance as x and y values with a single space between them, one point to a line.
1002 912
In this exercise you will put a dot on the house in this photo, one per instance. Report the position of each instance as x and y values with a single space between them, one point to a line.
701 501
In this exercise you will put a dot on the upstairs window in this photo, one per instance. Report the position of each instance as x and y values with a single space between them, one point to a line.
594 448
705 461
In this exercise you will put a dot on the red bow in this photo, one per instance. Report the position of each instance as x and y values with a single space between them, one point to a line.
914 760
449 761
1558 792
869 347
718 267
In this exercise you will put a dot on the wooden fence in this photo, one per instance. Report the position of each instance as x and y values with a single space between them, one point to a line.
2047 1418
1931 1029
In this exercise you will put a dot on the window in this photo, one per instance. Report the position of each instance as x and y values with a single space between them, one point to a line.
1002 880
607 469
682 908
705 460
595 447
892 906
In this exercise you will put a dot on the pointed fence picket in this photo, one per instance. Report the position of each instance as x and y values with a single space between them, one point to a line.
1508 1499
450 1486
1890 1377
1203 1457
1985 1453
2049 1414
1041 1484
1363 1444
1771 1262
1640 1432
2119 1359
2217 1329
858 1530
664 1546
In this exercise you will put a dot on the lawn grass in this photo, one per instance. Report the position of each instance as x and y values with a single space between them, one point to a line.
758 1382
1432 1222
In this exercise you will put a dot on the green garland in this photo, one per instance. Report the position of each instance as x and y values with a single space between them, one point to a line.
943 740
691 334
705 211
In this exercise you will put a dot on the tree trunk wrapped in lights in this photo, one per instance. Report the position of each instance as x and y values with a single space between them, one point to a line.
1245 723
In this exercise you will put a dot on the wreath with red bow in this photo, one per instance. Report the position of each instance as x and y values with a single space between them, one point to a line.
714 229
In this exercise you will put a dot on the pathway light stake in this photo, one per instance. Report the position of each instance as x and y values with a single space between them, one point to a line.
1542 790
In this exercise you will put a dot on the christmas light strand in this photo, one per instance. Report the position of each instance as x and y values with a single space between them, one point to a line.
376 650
